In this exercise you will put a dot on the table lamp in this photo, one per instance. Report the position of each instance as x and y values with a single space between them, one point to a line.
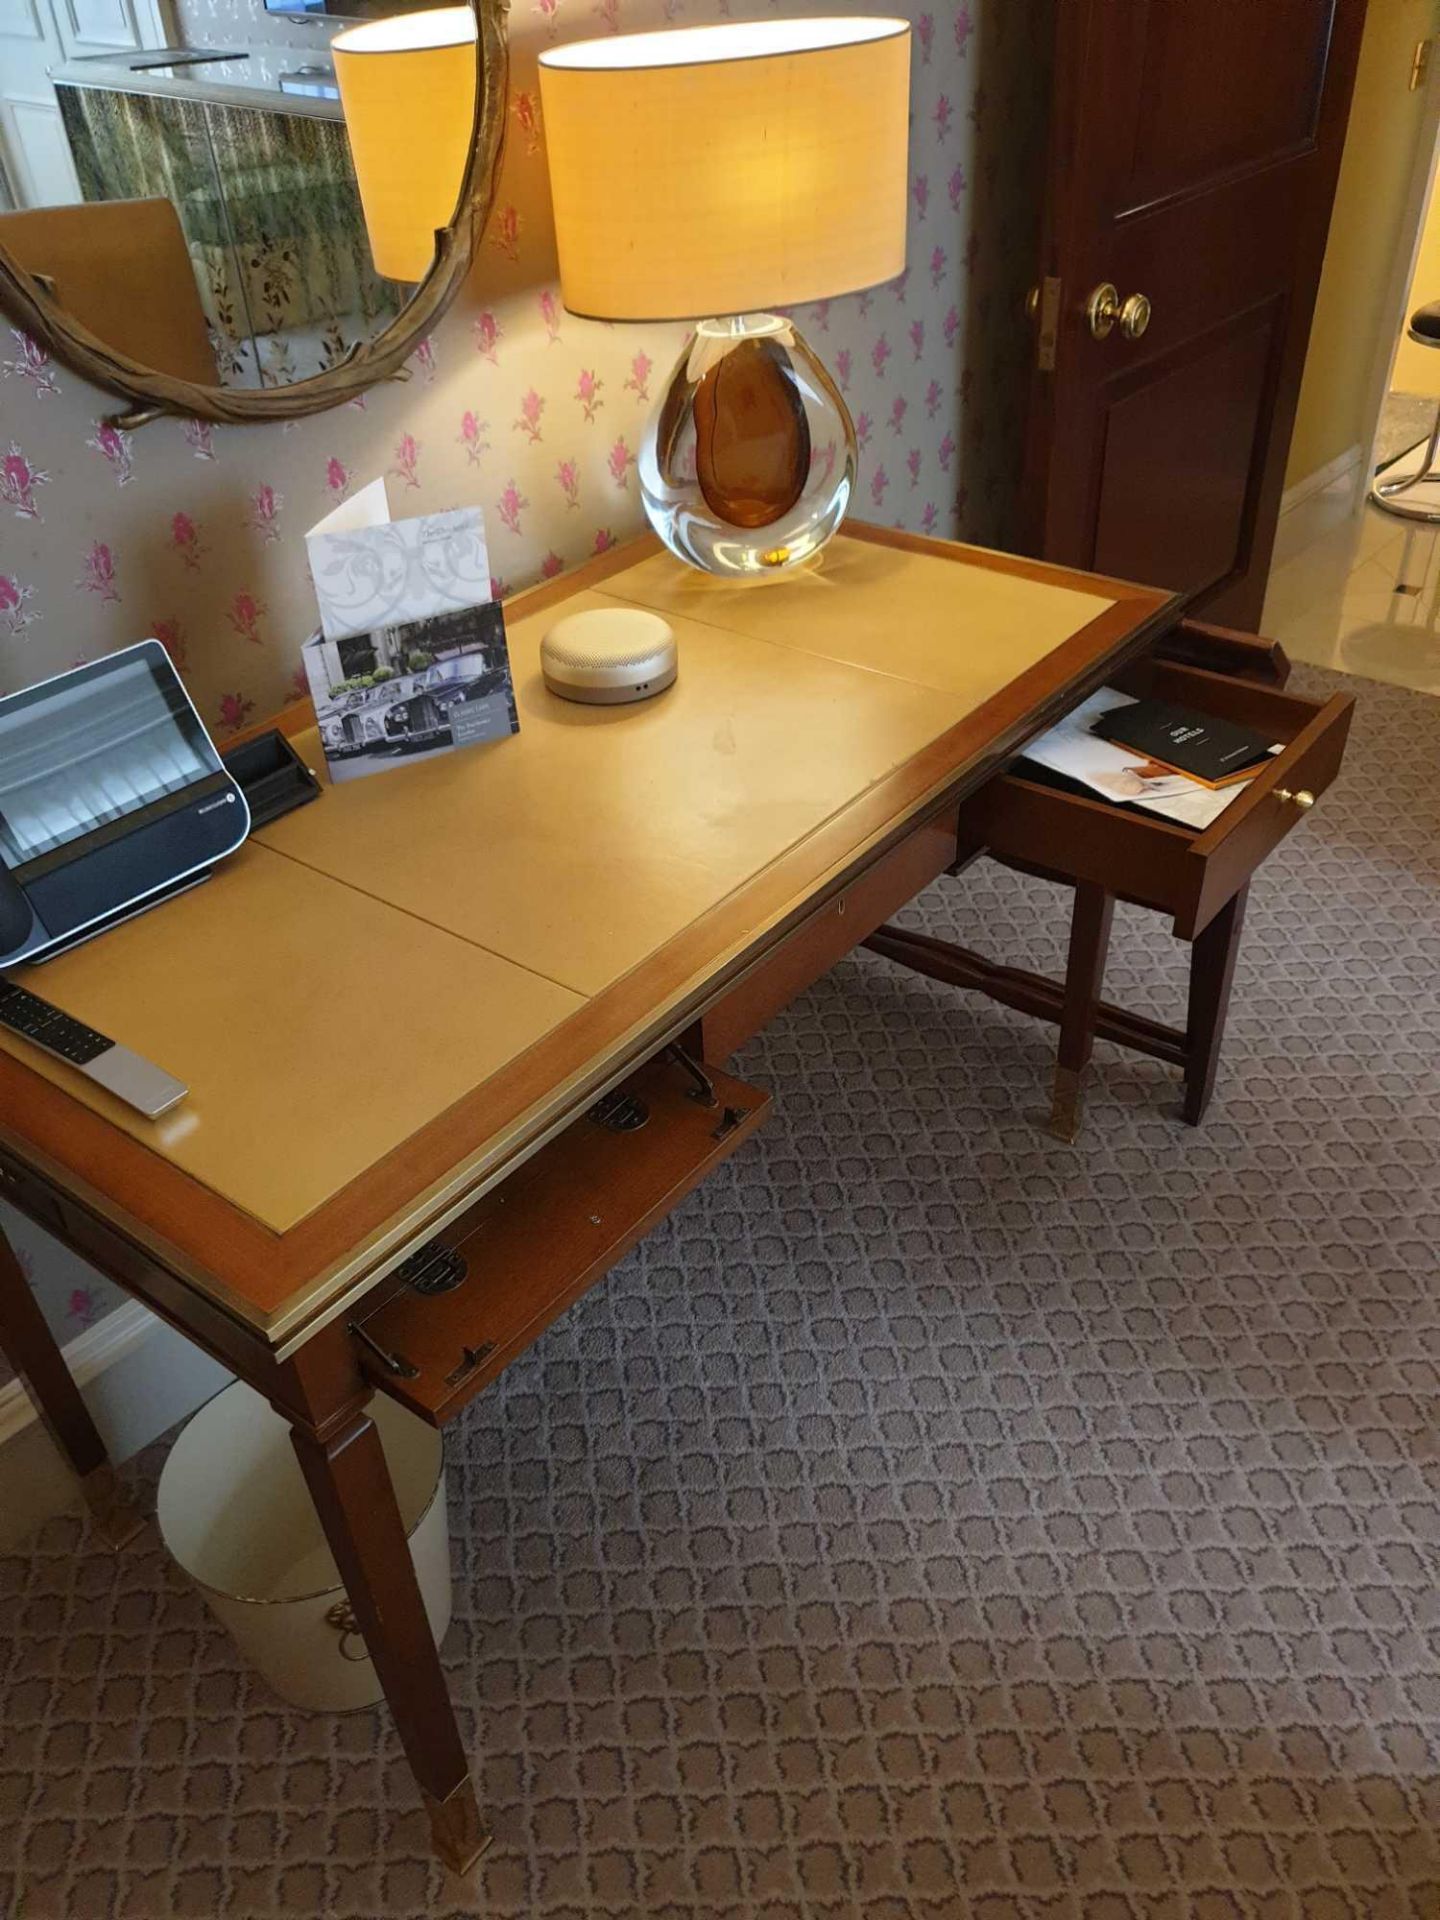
719 171
407 87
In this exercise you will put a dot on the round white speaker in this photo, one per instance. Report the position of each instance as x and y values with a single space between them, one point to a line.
609 655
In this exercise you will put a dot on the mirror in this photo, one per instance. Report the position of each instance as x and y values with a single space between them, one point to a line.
222 261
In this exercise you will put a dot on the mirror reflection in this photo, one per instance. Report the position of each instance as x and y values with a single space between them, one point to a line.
200 210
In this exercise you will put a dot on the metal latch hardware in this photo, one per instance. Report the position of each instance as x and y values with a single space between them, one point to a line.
470 1359
435 1268
395 1363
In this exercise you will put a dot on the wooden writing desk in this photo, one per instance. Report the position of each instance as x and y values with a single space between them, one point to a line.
395 1007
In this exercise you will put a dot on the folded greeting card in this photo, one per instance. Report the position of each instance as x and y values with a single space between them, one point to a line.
370 571
411 658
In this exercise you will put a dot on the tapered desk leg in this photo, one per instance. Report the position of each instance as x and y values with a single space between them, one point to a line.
1212 974
32 1350
1084 977
351 1487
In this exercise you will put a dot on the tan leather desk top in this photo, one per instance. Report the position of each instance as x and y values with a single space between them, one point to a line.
371 960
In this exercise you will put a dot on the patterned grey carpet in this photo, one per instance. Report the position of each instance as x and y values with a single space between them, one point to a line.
930 1520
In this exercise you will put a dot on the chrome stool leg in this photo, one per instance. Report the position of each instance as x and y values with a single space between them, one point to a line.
1388 494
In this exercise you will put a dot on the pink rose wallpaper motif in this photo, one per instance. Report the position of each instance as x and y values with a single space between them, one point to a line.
486 331
14 599
265 505
525 105
233 711
472 436
31 364
97 572
532 405
186 541
511 505
18 481
245 615
405 460
587 392
504 231
115 447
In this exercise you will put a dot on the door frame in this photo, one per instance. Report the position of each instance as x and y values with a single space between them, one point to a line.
1424 179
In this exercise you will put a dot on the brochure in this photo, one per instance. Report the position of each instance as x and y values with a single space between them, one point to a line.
411 658
1120 774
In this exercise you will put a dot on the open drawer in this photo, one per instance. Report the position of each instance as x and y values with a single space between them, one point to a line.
1141 857
456 1313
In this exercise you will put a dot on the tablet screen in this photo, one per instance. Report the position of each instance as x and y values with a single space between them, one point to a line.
96 750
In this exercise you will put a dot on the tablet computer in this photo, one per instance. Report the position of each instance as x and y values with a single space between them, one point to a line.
111 796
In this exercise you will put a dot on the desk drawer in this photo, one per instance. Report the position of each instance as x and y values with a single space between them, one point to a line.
537 1241
1143 858
829 934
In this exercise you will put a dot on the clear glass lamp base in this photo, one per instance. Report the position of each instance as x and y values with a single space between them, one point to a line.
748 463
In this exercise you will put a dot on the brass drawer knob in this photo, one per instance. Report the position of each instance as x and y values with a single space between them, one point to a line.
1304 799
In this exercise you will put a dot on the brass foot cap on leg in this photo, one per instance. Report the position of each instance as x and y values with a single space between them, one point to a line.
1067 1104
459 1835
113 1514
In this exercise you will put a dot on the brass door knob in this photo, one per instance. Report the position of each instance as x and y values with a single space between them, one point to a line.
1304 799
1105 307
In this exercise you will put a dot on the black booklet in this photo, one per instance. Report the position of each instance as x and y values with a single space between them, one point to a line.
1214 752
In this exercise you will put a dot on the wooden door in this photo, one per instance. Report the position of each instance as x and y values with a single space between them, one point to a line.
1194 150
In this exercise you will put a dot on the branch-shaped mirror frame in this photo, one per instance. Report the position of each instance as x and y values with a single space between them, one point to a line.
149 392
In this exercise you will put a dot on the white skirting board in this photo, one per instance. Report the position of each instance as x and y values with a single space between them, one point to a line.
138 1377
1319 502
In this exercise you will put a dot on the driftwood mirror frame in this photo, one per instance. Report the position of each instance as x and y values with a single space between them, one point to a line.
151 393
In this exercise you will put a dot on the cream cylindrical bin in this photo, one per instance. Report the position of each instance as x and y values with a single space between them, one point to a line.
236 1515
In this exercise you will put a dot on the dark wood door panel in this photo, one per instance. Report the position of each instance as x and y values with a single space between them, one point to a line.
1178 463
1193 154
1200 265
1220 91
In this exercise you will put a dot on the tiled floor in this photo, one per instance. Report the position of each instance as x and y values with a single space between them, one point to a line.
1360 594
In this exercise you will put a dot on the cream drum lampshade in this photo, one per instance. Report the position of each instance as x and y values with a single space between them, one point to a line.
715 170
408 89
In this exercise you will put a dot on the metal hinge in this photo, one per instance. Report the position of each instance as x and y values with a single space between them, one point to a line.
435 1268
619 1112
1420 65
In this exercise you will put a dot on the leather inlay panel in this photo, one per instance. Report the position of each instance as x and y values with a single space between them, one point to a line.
595 834
884 609
316 1028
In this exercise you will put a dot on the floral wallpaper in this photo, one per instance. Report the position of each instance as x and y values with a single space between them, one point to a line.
192 533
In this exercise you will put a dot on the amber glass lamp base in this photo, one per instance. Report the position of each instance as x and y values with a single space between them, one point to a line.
748 464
